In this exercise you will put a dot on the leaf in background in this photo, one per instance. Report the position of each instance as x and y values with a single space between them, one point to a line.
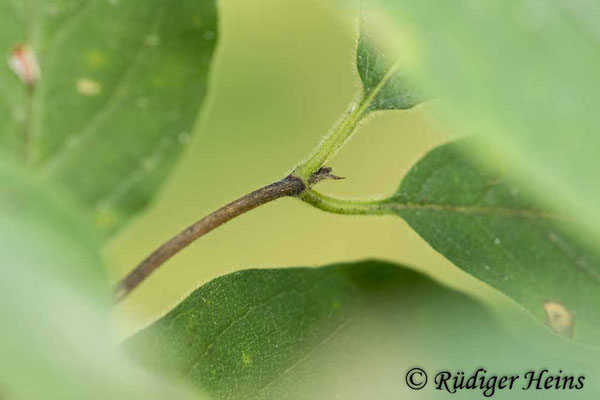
382 71
120 87
524 75
487 227
345 330
55 341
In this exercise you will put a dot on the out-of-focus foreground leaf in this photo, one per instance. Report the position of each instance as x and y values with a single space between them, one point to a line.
489 228
55 341
119 89
343 331
523 75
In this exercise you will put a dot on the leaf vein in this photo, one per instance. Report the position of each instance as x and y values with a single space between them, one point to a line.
232 323
529 213
320 343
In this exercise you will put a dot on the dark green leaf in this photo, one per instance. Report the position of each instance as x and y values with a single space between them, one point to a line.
346 331
489 228
120 87
56 342
382 73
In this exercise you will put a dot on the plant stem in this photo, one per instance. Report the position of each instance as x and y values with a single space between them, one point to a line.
332 142
341 132
297 184
395 206
287 187
343 206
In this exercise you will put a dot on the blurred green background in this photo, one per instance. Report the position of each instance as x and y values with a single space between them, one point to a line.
284 72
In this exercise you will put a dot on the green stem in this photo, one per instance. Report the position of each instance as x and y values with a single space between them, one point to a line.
346 207
341 133
332 142
396 206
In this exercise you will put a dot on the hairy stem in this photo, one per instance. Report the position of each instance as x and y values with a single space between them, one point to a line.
343 206
332 142
394 206
341 132
287 187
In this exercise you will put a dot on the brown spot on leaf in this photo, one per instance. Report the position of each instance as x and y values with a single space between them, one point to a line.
559 318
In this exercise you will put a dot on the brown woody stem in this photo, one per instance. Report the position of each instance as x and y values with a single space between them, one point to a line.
290 186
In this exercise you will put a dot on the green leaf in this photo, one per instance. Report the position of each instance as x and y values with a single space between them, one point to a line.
341 330
56 339
382 74
488 227
523 75
120 88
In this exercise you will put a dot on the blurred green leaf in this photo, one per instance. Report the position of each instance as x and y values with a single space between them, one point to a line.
381 71
56 342
485 225
523 74
120 87
346 330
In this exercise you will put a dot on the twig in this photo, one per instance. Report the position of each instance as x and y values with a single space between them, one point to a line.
290 186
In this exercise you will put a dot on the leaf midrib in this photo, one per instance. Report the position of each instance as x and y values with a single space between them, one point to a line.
31 130
394 205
